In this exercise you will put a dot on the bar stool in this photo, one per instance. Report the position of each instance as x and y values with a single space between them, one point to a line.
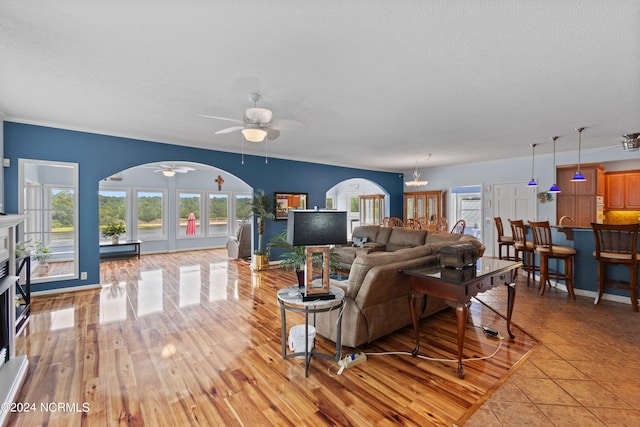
503 241
617 244
547 250
524 247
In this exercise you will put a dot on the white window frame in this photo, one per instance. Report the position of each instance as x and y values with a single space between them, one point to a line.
165 213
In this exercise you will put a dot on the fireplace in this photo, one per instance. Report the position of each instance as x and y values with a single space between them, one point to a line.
13 368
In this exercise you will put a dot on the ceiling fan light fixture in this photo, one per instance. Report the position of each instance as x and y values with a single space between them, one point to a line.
254 134
168 173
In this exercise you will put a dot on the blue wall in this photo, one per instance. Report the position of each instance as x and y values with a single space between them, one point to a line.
100 156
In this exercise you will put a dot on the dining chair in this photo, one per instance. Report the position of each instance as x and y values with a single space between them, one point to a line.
524 249
504 241
458 227
439 223
545 248
395 222
423 223
411 223
617 244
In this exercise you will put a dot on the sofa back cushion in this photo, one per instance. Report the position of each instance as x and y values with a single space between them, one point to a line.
364 263
402 238
370 232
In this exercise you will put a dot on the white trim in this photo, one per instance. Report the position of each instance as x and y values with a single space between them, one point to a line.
65 290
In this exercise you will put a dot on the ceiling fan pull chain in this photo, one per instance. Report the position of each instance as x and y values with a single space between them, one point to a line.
266 151
242 139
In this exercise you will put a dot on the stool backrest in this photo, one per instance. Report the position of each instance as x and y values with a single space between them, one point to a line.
541 233
499 227
518 231
616 239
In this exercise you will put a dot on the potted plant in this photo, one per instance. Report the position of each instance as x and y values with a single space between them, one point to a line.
41 254
262 208
114 230
295 257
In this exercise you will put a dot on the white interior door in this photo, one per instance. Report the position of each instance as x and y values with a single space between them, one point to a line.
512 201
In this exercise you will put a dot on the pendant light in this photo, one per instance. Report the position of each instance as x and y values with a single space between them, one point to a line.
554 188
533 182
416 177
578 177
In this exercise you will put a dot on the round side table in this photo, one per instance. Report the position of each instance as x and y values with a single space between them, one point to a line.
290 299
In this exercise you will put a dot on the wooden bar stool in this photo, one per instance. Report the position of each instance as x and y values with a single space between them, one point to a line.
504 241
547 250
524 249
617 244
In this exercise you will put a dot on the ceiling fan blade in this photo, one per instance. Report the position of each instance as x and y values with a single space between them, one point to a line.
220 118
183 169
272 133
229 130
286 124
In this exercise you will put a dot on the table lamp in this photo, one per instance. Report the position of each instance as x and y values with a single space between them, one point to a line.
316 230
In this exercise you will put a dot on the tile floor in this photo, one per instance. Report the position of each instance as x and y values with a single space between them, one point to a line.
585 372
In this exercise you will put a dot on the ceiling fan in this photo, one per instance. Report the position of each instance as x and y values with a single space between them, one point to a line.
171 170
631 141
257 124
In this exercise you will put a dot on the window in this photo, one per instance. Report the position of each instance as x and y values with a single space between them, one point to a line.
112 207
218 214
243 210
189 204
150 211
49 201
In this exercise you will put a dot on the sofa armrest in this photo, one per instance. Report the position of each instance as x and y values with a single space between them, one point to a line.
374 246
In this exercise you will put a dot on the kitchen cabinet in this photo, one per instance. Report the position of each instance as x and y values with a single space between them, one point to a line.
579 200
423 204
623 191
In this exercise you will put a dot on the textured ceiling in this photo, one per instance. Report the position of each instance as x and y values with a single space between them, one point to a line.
379 84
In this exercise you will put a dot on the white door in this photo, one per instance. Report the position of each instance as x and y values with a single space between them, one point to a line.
512 201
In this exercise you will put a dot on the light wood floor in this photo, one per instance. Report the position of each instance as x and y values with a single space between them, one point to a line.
194 339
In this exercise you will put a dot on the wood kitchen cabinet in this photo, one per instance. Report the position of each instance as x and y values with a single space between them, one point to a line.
623 191
423 204
578 200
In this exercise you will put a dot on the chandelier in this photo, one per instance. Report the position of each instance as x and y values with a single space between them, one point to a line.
416 177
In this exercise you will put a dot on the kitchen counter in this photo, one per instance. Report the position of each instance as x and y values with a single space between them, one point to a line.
585 274
568 230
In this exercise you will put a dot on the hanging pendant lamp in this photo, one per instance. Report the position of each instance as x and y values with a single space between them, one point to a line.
533 182
416 177
554 188
578 177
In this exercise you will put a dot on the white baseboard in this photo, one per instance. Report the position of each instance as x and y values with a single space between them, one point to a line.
62 290
585 293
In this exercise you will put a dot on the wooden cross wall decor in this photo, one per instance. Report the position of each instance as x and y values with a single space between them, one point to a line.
220 181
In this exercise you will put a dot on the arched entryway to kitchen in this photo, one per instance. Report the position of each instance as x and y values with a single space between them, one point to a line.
346 195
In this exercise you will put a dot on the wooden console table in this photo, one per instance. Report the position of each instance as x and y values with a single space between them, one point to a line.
116 250
458 287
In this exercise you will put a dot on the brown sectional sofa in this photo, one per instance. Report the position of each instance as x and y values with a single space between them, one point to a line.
376 293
